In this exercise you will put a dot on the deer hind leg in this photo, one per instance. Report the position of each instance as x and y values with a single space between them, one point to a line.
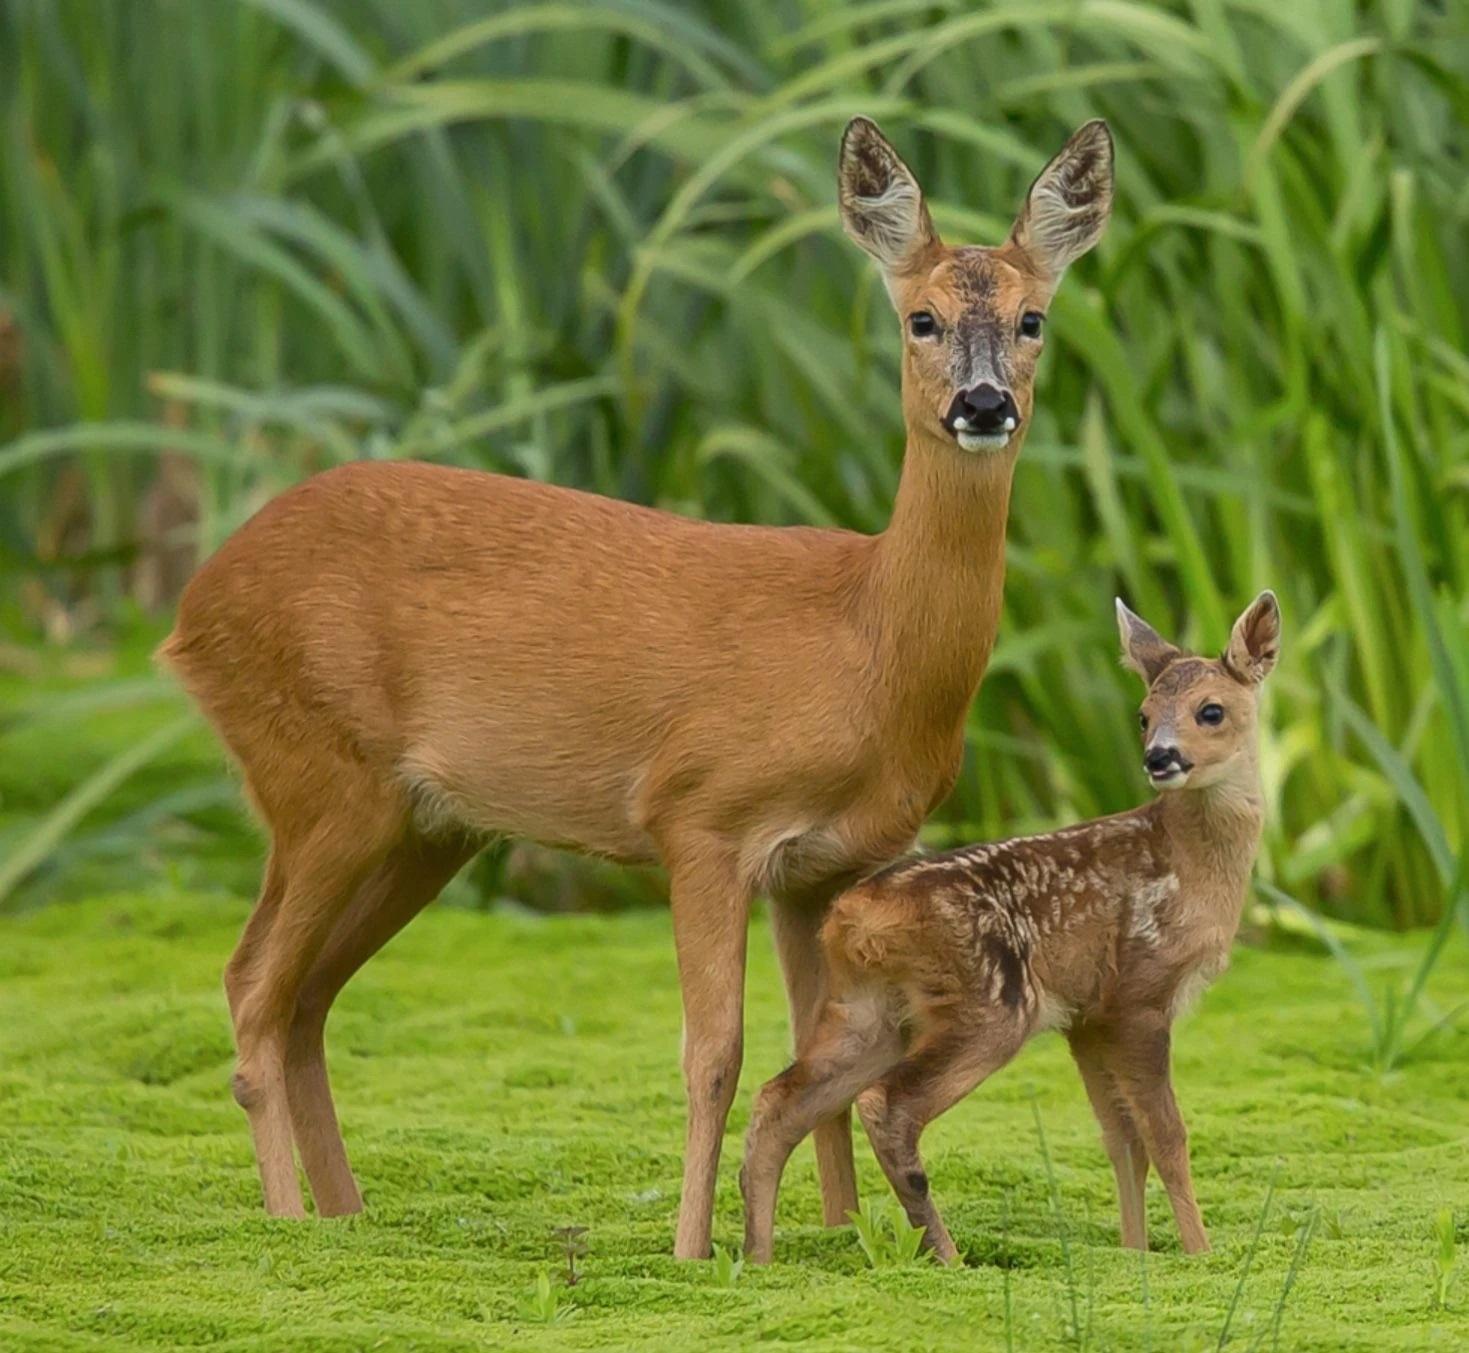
311 878
390 896
1139 1064
238 972
938 1072
803 962
855 1041
1120 1138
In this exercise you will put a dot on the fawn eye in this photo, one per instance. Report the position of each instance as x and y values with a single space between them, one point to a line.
922 325
1211 714
1031 322
1142 721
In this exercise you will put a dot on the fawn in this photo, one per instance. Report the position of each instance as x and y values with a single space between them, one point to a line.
405 659
941 967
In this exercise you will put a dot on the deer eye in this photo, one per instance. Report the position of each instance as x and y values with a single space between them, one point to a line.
1142 721
1031 323
1211 714
922 325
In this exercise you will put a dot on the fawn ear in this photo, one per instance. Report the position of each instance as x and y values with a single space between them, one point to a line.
881 203
1143 648
1254 643
1067 206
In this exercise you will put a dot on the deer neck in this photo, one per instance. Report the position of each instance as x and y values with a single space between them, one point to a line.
1214 833
938 576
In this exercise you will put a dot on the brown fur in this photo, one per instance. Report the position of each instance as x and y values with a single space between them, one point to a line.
943 966
405 658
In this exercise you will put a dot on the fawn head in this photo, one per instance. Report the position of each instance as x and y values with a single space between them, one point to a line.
1199 716
973 318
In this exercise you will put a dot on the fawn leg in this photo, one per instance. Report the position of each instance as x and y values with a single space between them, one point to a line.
321 871
711 910
940 1070
388 898
797 938
853 1042
1120 1138
1139 1064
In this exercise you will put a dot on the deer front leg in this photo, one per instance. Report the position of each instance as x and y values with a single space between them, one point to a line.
797 924
710 917
1139 1064
1120 1138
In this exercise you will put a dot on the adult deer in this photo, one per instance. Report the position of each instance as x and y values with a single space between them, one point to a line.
405 658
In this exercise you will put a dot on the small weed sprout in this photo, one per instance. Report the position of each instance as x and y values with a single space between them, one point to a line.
728 1265
573 1242
1445 1257
544 1305
887 1237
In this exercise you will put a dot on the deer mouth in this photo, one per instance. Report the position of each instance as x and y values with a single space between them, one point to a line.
1170 776
982 441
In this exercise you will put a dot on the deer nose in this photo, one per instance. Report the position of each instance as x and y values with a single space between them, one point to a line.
984 409
1158 759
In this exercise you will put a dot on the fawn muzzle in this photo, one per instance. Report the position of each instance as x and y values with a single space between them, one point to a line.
1163 762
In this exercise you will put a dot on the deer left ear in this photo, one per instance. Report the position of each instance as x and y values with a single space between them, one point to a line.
1068 205
1143 649
1254 643
881 204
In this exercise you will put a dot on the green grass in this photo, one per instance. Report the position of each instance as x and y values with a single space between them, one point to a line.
500 1076
597 244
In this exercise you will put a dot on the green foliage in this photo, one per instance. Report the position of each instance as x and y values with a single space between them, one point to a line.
1445 1257
544 1304
597 244
727 1266
1394 1005
887 1237
486 1098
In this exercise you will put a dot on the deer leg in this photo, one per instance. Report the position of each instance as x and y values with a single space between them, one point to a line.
1120 1138
939 1071
711 909
320 875
803 963
853 1042
388 898
1139 1065
239 971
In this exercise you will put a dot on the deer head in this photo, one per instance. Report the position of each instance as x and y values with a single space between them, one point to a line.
1199 717
973 318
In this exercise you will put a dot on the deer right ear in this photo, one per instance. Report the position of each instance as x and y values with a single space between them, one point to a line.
881 203
1254 643
1067 206
1143 648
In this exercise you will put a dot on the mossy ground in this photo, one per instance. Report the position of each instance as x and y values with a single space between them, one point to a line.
499 1076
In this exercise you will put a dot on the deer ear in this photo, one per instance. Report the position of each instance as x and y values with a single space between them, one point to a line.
1254 643
881 203
1143 648
1067 206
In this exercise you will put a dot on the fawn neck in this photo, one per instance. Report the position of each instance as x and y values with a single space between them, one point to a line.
1214 832
938 576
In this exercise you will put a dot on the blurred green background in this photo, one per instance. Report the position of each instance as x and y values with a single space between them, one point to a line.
244 240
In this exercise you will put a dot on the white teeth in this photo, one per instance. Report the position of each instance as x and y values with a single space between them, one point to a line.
1009 425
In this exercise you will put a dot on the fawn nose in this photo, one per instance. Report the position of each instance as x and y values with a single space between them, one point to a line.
1159 759
983 409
